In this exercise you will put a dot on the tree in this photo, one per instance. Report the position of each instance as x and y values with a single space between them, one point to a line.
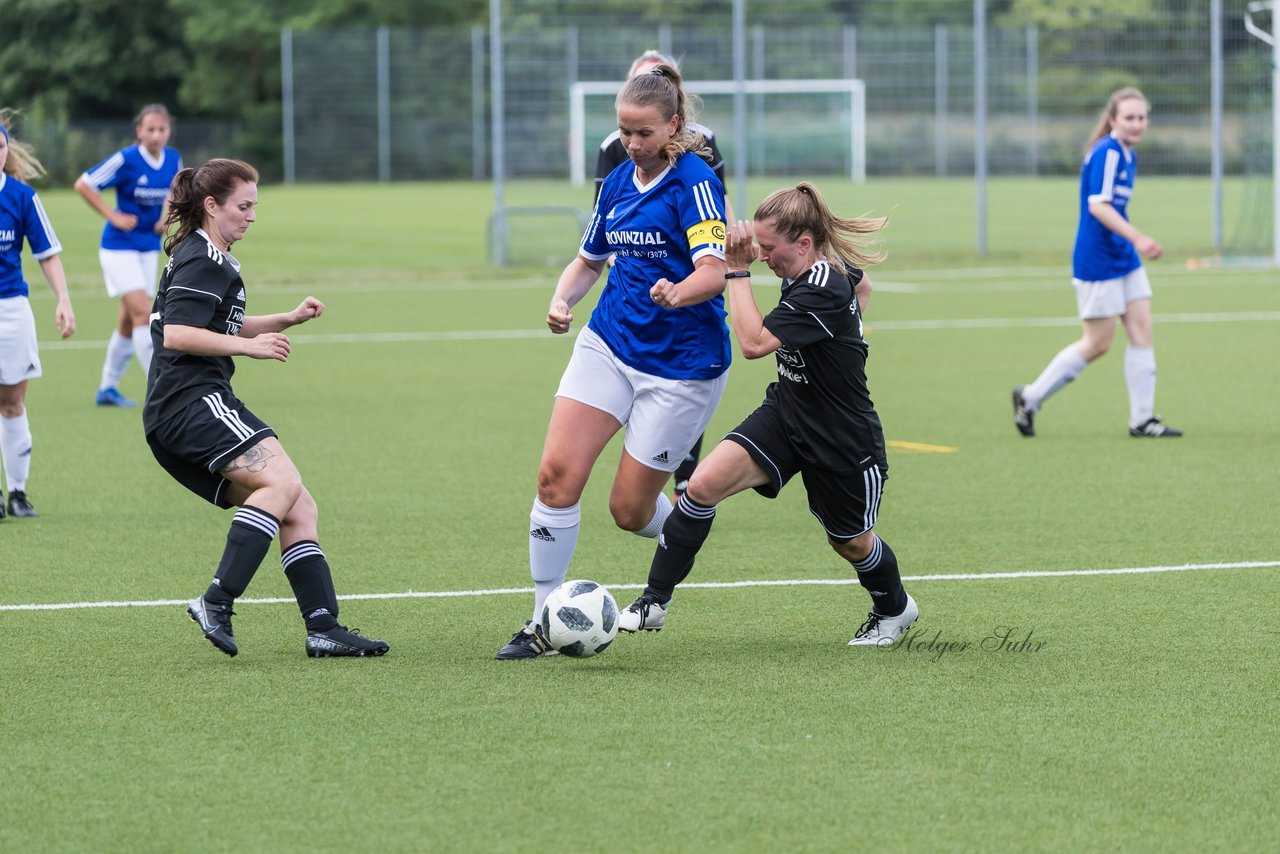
88 58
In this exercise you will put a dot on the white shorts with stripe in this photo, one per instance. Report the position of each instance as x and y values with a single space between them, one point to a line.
125 270
19 350
663 418
1111 297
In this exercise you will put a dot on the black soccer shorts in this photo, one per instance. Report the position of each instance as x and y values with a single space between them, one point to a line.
846 503
195 444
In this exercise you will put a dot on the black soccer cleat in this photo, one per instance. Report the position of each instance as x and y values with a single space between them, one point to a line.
214 619
1024 417
19 505
341 641
529 642
1153 427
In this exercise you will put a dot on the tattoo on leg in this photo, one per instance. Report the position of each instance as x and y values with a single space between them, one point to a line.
254 460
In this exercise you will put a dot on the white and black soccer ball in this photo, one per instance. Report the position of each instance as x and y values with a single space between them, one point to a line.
580 619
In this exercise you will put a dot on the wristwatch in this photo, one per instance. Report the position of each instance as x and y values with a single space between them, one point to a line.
738 274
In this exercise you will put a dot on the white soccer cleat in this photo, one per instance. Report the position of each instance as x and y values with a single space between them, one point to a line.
644 614
883 631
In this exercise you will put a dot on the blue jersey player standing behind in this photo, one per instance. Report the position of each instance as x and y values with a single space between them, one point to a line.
130 250
22 218
654 357
1108 275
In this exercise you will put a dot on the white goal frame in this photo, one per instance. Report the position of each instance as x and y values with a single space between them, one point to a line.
1272 39
855 89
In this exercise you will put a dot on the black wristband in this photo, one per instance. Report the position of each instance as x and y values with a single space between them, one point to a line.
738 274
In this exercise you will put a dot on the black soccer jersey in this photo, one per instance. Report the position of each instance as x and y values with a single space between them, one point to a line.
822 380
201 287
613 154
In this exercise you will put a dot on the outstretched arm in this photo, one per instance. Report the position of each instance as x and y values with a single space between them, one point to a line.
309 309
205 342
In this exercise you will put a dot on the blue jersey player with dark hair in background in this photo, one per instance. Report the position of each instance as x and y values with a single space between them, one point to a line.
654 358
1108 275
22 218
130 248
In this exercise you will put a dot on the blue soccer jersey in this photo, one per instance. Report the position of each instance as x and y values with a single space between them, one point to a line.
658 231
1107 176
22 217
142 184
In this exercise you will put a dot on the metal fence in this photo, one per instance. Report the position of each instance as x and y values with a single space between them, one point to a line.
67 150
414 104
401 104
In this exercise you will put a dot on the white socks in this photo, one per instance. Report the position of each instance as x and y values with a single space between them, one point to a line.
119 352
15 449
1062 369
1140 375
660 514
553 537
142 347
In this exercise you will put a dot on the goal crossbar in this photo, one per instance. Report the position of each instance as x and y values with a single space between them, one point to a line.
855 89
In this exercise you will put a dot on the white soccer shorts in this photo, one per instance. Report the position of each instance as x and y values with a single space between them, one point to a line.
663 418
1111 297
19 350
126 270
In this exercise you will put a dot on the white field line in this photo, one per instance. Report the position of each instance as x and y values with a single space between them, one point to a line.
873 326
709 585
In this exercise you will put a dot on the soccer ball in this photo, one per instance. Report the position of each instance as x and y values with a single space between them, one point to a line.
580 619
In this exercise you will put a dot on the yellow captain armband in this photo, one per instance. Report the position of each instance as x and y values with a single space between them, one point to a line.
709 231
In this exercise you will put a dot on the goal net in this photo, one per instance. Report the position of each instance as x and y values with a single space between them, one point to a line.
814 127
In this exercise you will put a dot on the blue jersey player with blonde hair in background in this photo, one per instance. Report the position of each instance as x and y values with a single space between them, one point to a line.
22 218
1108 275
654 357
130 247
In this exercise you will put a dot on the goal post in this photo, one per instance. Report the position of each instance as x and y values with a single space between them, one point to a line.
853 90
1272 40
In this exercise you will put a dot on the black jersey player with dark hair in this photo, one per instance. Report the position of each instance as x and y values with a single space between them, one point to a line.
205 437
817 420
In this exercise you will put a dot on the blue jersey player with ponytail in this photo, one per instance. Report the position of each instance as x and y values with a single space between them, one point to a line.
654 357
1108 276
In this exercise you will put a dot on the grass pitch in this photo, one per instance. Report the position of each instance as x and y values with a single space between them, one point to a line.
1036 706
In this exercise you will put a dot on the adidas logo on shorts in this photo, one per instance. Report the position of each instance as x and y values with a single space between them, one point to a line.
661 458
